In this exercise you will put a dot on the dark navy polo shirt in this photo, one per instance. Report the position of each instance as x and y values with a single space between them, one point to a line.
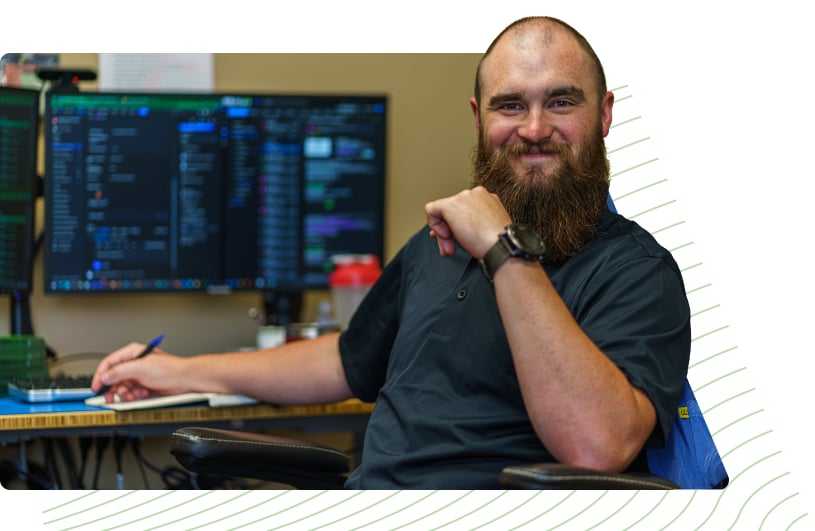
427 345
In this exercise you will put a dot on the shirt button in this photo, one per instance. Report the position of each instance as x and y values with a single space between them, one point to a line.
461 294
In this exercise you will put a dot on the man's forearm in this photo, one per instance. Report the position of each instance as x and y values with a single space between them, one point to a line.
301 372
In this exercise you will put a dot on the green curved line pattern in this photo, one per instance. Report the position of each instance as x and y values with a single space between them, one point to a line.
729 399
104 504
401 509
732 481
535 494
763 521
650 512
685 508
544 513
737 421
306 500
797 520
163 511
607 518
744 443
232 515
424 517
747 501
69 502
306 517
470 513
720 377
711 357
569 519
210 508
107 516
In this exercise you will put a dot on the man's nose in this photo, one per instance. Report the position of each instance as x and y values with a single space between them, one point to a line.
535 127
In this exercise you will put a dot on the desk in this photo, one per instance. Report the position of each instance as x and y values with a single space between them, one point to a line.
350 415
20 422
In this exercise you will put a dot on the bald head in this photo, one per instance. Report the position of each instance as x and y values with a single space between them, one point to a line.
532 32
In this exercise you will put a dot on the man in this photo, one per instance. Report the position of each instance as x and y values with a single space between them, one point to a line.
484 351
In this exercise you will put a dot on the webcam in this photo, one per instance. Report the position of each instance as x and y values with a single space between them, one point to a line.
65 80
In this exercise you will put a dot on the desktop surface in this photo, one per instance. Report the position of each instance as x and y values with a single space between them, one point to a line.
21 419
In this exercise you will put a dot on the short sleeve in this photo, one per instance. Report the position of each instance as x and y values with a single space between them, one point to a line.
366 344
640 319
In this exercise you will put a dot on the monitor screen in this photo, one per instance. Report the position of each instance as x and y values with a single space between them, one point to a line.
209 192
19 121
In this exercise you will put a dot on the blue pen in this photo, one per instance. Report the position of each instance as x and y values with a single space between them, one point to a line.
147 350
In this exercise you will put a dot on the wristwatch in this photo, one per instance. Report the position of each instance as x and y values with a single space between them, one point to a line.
517 240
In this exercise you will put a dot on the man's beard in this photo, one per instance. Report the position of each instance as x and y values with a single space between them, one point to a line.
562 207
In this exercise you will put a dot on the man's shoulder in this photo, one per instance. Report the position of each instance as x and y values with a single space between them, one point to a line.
624 235
618 244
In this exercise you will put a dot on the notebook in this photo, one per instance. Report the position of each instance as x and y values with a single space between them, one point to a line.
210 399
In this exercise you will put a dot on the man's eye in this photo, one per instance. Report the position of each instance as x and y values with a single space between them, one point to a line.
512 107
561 103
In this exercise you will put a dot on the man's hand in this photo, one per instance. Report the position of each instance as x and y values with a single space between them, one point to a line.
474 218
136 379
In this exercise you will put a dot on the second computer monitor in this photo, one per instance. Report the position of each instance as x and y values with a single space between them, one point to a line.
210 192
19 126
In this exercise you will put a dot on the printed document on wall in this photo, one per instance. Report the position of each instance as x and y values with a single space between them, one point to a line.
156 72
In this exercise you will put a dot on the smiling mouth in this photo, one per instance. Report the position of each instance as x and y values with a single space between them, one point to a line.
537 157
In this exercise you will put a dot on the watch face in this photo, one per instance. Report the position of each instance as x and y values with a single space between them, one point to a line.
526 239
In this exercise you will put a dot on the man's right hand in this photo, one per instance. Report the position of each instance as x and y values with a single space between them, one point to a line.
158 373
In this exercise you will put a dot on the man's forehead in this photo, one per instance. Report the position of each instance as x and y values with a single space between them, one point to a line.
521 54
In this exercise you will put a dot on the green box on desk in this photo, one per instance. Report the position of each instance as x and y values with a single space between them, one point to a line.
21 356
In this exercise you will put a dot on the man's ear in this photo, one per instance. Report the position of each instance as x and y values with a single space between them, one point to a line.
605 112
474 107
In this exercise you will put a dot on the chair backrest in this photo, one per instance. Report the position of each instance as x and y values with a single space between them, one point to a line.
689 458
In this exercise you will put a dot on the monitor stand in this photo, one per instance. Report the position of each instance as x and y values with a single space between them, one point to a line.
20 314
282 307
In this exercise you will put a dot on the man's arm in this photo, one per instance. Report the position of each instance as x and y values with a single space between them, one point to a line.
302 372
581 405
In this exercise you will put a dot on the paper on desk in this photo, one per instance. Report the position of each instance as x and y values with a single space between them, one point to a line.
212 399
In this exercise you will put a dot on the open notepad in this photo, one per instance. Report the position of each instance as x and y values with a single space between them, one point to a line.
211 399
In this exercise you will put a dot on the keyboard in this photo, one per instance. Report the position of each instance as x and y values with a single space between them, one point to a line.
55 388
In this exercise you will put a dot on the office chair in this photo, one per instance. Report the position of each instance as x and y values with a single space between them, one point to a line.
689 459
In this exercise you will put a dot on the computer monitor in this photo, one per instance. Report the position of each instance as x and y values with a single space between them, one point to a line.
19 123
158 192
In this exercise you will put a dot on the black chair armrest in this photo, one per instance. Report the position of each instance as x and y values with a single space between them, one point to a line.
550 476
300 464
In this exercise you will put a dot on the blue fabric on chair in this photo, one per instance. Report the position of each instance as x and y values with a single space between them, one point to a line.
689 458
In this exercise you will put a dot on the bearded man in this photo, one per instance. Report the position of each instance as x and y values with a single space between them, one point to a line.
532 325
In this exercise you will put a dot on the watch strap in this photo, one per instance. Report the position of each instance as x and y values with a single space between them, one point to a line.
494 258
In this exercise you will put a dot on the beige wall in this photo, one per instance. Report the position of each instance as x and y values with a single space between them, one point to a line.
430 138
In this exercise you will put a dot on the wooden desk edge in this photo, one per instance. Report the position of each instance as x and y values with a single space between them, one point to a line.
176 414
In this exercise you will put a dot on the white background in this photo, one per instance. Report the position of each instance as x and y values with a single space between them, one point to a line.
727 90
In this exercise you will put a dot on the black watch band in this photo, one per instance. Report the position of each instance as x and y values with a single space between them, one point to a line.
516 240
494 258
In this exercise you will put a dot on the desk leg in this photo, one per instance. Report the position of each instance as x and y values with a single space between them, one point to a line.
23 457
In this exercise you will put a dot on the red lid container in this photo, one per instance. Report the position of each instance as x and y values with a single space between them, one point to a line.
354 270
